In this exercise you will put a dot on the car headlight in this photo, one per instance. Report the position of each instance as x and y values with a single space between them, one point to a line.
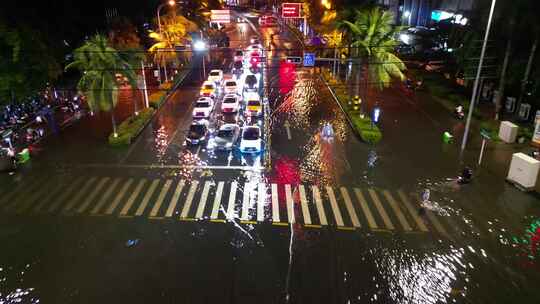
228 145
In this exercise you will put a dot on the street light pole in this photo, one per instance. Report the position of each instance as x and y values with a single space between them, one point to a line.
170 3
477 79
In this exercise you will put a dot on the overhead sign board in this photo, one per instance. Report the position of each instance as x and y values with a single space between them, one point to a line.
309 59
291 10
221 16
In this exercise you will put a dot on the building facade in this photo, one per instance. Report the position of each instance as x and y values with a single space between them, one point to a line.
419 12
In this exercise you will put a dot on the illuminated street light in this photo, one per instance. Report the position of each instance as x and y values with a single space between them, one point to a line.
170 3
407 14
326 3
199 46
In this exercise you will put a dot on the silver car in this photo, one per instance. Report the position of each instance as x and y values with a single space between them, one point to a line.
226 137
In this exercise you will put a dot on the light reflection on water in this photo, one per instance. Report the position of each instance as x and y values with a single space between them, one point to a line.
17 294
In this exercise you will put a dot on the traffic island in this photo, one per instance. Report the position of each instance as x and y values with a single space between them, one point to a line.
361 125
131 127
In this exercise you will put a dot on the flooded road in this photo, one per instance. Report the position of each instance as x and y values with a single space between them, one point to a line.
332 220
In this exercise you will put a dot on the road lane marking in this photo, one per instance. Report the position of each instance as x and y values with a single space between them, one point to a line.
105 196
365 208
287 126
146 198
92 195
204 198
275 203
413 212
133 197
217 201
261 199
47 198
34 197
189 199
232 199
319 205
245 202
334 205
434 220
305 208
79 194
350 207
28 191
64 195
380 208
7 198
289 201
175 198
161 198
394 205
119 197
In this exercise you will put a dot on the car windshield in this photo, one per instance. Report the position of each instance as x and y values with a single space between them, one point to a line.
251 79
230 84
225 133
214 73
251 134
196 131
208 87
229 100
203 104
254 103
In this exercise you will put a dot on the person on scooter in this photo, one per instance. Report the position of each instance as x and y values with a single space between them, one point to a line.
466 176
459 112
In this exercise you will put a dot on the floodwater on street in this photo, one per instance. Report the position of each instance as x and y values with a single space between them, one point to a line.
325 219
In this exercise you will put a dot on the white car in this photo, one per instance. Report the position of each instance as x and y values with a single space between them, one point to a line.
230 87
204 107
230 104
251 141
216 76
253 48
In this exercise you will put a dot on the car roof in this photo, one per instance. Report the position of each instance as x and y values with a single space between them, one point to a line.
251 127
230 96
228 126
230 80
208 82
216 71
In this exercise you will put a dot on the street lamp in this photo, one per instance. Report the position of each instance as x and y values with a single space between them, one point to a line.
170 3
407 14
201 46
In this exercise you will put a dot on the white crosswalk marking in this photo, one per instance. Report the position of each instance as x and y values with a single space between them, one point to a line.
119 197
350 207
289 202
334 205
380 208
413 212
161 198
245 202
132 197
202 202
275 203
105 196
261 200
232 199
319 205
305 208
434 220
64 195
175 198
365 208
394 205
147 197
217 201
48 197
92 195
42 190
189 199
79 194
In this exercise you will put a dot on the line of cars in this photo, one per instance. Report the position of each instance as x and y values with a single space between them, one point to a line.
227 114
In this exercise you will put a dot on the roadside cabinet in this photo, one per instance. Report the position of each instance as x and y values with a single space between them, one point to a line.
508 132
523 171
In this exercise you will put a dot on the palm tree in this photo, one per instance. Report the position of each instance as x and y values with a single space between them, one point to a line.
373 38
99 64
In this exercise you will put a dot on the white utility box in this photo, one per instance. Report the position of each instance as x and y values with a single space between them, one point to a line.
523 171
508 132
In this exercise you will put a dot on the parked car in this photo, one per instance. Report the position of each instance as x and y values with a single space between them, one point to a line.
204 107
197 134
251 141
226 137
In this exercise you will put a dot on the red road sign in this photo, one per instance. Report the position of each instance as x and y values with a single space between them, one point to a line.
291 10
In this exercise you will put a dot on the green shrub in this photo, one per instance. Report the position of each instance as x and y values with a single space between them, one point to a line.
369 132
131 127
155 99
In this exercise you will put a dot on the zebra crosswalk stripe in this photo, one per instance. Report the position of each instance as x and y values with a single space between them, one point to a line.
132 197
202 202
161 198
319 205
21 197
119 196
245 201
435 221
64 195
79 194
232 199
261 199
47 198
413 212
36 195
305 208
275 203
365 209
289 202
350 207
105 196
7 198
217 201
393 204
386 219
92 195
189 199
175 198
147 197
334 205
